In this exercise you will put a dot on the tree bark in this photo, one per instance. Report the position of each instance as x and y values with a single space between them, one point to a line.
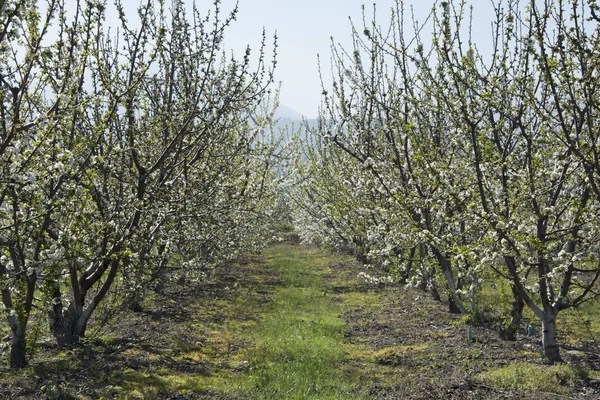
453 308
18 323
431 285
510 332
133 299
69 327
409 264
455 305
18 350
549 343
63 326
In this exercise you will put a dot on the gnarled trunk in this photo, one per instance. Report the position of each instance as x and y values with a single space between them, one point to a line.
134 297
69 326
453 307
18 321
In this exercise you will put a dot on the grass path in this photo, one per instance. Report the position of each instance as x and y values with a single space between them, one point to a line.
300 342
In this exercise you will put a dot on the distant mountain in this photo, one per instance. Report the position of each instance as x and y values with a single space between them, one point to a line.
284 112
288 116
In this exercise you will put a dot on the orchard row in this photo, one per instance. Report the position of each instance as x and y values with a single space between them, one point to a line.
456 169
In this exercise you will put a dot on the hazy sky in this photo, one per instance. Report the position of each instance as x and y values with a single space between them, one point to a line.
304 29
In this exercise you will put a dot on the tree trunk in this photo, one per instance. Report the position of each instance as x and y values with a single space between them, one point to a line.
510 332
18 321
431 285
455 305
435 295
422 286
63 326
133 302
453 308
361 256
361 251
18 350
69 327
409 264
549 343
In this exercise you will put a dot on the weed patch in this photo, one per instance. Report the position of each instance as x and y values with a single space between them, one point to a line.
559 379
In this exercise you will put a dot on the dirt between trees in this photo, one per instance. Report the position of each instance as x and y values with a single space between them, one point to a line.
191 342
426 350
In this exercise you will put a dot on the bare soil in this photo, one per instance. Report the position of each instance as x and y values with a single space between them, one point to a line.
427 352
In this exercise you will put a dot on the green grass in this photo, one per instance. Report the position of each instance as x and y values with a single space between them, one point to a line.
300 343
581 325
278 334
533 377
149 385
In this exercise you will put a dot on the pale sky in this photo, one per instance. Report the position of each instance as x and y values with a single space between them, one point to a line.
304 29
